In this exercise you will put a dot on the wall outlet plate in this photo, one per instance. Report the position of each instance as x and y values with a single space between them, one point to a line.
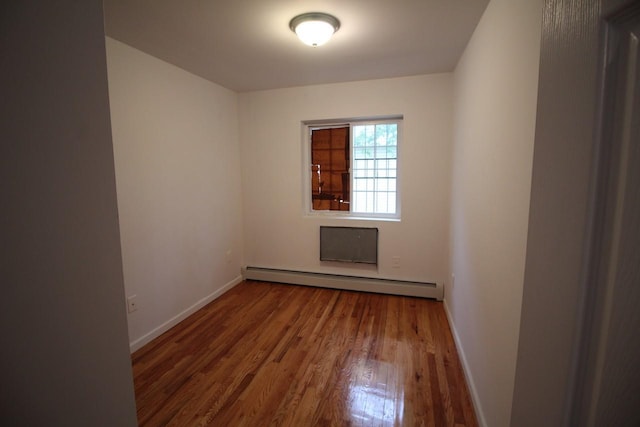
132 304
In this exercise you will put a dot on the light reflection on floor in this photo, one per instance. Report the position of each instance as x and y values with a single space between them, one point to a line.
376 398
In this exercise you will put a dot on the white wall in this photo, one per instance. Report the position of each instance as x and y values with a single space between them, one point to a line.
64 359
178 180
277 233
495 92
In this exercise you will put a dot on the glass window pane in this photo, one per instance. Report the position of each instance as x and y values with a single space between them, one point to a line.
381 203
392 203
374 167
358 136
370 135
359 202
392 134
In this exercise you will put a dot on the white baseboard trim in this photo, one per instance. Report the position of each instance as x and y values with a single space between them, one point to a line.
148 337
351 283
465 368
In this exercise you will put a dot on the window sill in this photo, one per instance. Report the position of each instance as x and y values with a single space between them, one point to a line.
355 217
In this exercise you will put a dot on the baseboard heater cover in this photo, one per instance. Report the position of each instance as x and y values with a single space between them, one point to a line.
351 283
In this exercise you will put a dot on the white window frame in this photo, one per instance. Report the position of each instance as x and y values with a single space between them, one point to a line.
308 126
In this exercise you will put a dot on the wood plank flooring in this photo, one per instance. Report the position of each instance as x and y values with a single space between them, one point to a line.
271 354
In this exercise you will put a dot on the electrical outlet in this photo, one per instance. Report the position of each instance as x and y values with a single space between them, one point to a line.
453 279
228 256
395 261
132 304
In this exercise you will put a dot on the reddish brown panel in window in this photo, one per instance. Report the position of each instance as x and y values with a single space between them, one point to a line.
338 160
330 168
323 158
321 205
321 139
339 138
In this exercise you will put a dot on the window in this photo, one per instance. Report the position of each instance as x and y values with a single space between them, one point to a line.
375 164
354 168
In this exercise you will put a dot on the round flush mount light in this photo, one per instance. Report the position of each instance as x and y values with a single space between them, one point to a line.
314 28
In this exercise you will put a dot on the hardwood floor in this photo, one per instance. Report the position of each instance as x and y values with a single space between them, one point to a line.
271 354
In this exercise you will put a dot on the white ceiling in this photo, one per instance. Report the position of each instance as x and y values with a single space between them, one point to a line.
247 45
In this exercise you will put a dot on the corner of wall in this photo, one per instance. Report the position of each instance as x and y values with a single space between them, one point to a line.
466 369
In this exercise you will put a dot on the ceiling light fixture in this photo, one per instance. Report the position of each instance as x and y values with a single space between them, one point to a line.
314 28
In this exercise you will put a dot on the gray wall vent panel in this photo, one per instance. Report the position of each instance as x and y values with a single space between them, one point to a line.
349 244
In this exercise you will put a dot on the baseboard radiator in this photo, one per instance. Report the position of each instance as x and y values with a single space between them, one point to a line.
351 283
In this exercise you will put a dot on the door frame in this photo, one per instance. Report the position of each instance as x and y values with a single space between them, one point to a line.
565 236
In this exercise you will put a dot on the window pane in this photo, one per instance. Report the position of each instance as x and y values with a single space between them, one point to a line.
391 203
369 135
375 154
381 203
359 201
330 175
392 134
392 152
370 185
358 137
